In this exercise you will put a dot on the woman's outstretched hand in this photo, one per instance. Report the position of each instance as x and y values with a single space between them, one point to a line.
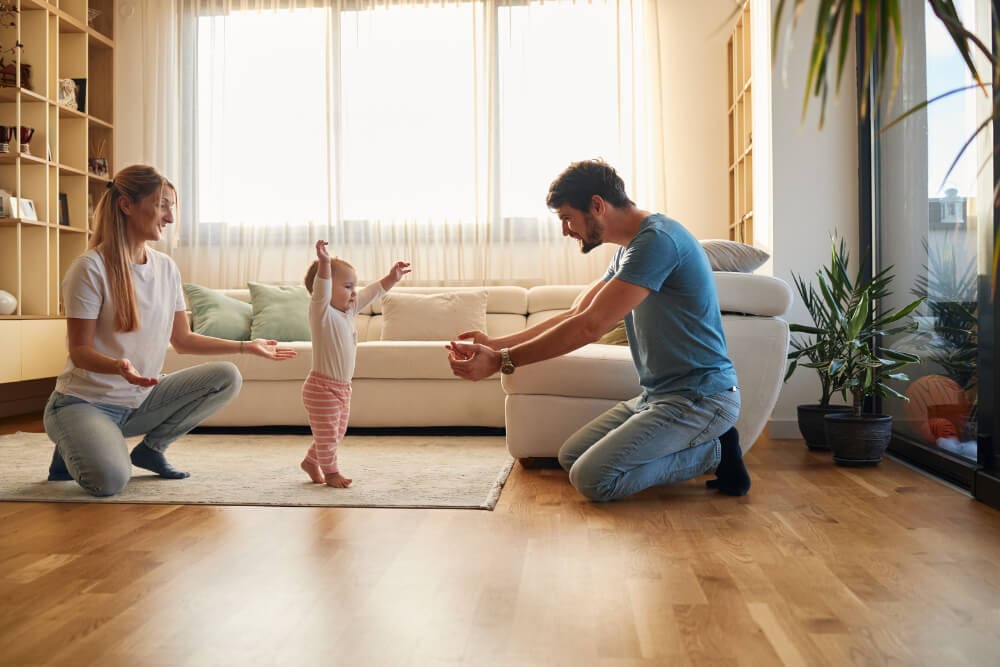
128 371
269 349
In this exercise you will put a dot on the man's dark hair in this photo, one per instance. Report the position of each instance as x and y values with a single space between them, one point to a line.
582 180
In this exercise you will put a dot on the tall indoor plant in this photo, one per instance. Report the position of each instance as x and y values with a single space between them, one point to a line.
815 347
861 367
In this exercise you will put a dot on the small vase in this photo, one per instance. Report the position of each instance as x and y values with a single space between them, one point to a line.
26 134
8 303
811 424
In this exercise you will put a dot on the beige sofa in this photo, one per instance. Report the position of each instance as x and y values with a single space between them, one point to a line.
409 383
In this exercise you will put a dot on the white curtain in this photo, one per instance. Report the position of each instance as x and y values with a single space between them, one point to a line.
418 130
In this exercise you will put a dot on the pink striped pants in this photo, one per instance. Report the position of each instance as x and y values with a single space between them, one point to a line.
328 405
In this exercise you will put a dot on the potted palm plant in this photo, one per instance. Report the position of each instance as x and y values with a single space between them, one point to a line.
814 348
861 368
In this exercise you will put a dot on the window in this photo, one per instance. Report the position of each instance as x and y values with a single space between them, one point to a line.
934 229
432 113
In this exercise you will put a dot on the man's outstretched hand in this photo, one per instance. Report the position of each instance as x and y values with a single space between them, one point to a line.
472 361
477 337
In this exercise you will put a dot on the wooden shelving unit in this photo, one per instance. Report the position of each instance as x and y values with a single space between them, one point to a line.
58 39
740 131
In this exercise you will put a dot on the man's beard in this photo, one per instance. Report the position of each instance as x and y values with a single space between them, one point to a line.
595 234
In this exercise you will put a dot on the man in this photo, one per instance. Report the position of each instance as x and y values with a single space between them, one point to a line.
661 284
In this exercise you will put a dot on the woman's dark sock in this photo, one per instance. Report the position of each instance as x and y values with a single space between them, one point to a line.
57 469
150 459
732 477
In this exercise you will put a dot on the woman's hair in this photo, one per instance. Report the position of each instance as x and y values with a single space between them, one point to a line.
314 267
111 240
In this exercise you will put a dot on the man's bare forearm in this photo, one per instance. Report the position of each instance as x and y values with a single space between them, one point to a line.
571 333
531 332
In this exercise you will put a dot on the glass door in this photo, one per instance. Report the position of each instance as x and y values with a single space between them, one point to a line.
933 222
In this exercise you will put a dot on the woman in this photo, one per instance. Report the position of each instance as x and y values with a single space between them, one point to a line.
124 303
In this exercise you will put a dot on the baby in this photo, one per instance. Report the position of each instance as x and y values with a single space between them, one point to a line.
326 393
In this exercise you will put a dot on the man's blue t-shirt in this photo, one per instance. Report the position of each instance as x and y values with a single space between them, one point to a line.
675 334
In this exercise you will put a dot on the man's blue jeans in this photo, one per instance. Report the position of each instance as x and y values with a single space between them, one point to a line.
91 436
648 441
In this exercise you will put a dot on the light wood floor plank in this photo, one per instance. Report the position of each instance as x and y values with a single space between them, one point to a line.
817 566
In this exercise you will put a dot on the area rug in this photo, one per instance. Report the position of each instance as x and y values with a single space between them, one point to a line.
461 472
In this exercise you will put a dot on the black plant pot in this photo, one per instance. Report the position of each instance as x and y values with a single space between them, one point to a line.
858 441
813 427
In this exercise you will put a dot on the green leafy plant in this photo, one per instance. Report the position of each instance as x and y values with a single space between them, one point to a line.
883 34
884 42
840 344
859 366
815 348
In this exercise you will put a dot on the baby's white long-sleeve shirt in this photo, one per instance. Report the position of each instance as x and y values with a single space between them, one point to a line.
334 333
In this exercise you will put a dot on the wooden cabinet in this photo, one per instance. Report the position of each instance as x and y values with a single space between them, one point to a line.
33 349
740 131
53 51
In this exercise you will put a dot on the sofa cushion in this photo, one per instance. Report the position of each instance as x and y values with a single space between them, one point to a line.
499 298
615 336
441 316
215 314
552 297
733 256
593 371
404 360
280 312
753 294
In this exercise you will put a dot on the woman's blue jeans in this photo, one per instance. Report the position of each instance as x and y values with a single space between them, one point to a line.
645 442
91 436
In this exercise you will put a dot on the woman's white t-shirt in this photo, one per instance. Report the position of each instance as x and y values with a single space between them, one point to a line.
86 294
334 334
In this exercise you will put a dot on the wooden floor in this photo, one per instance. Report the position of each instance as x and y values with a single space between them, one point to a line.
819 565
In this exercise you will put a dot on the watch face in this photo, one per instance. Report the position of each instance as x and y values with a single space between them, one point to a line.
506 365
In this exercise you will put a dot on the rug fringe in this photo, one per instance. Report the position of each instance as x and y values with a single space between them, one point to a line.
494 495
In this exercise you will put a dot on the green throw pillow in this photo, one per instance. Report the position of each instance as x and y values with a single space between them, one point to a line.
218 315
280 312
616 336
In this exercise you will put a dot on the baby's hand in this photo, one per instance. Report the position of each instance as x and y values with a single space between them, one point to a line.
321 252
398 270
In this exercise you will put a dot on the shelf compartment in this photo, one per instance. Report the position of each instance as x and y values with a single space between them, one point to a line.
75 188
34 186
73 143
104 23
10 250
34 284
100 86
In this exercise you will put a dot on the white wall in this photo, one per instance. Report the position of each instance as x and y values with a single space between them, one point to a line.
129 114
693 42
815 188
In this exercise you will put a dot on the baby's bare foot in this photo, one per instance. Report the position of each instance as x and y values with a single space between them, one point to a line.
338 480
313 470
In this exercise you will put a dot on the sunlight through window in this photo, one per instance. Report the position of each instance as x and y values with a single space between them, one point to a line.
402 113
